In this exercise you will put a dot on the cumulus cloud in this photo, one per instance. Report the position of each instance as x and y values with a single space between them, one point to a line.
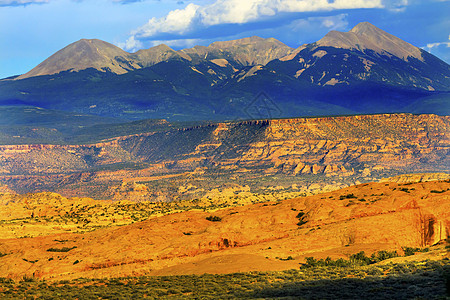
21 2
439 49
131 43
434 45
430 46
194 19
185 43
177 21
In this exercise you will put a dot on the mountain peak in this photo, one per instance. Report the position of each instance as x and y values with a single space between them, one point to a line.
253 40
154 55
366 36
363 27
84 54
253 50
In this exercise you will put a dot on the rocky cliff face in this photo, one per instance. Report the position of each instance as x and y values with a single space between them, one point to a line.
334 149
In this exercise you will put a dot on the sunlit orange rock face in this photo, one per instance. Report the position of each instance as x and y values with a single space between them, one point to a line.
367 217
344 149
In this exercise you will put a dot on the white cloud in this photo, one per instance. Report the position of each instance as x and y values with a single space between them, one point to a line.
434 45
182 43
21 2
131 44
177 21
194 17
338 22
430 46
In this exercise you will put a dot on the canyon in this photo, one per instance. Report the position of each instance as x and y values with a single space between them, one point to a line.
301 155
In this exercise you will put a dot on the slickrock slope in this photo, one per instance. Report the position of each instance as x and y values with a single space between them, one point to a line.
367 217
333 149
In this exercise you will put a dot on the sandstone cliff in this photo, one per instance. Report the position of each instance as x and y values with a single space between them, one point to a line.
332 150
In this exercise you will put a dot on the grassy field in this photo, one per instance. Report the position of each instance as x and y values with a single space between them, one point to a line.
410 280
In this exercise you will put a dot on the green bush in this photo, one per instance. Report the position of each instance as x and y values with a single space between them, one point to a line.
214 218
64 249
301 216
410 250
348 196
383 255
357 259
437 192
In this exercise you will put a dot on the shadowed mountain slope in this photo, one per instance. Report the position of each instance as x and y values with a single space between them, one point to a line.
365 70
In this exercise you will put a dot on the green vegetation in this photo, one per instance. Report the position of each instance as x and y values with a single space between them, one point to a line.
411 251
412 280
214 218
358 259
301 216
348 196
438 192
64 249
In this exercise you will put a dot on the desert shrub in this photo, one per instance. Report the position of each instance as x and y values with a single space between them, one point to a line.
357 259
437 192
26 278
64 249
287 258
301 216
348 196
374 271
383 255
311 262
301 222
214 218
360 258
410 250
391 281
6 280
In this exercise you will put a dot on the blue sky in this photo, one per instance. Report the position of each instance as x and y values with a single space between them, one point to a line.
32 30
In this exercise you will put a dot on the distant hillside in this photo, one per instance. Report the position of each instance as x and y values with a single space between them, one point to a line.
363 71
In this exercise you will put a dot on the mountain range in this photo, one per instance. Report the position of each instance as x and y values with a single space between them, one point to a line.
365 70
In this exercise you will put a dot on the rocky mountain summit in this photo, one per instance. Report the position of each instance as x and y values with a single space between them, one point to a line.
366 36
103 56
85 54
